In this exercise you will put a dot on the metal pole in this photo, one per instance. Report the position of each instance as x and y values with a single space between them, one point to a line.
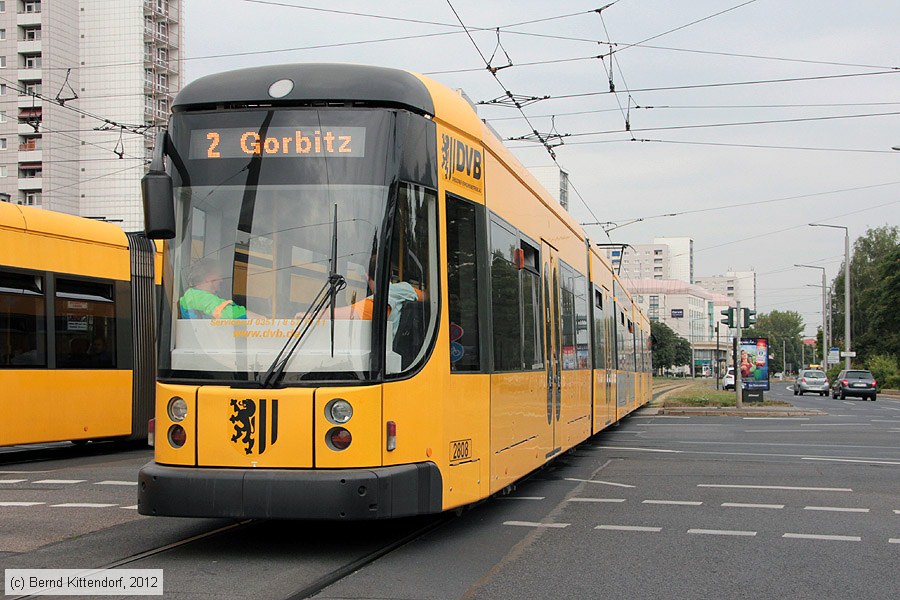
718 370
738 384
847 297
824 327
784 357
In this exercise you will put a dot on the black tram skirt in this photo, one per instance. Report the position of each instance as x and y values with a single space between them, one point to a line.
325 494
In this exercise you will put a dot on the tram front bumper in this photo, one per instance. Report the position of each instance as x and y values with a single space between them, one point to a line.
332 494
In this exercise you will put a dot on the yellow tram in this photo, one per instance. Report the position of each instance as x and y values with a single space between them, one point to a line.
371 309
76 337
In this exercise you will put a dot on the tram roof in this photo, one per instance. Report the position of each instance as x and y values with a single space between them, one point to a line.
313 82
48 222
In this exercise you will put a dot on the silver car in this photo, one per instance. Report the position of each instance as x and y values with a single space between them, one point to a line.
811 381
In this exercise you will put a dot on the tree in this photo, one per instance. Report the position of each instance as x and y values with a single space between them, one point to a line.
783 329
885 318
874 256
663 352
683 353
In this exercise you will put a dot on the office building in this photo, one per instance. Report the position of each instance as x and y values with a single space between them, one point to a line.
83 86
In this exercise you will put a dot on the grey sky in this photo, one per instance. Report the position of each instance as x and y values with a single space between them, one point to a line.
696 160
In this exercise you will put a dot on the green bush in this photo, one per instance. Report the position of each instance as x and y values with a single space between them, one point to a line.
885 369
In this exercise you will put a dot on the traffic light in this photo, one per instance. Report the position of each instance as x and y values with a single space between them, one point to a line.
728 313
749 317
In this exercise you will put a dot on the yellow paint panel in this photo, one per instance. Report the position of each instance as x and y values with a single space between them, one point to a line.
415 406
365 427
463 484
46 406
521 436
575 415
255 428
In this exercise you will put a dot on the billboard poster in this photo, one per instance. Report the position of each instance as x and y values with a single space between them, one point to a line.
677 313
754 361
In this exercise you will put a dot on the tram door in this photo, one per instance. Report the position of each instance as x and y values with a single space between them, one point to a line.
552 339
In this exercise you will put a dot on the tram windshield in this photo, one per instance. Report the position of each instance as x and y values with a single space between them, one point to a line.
264 201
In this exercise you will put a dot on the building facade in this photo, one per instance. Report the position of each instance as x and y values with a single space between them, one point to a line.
691 312
665 258
555 181
738 286
83 85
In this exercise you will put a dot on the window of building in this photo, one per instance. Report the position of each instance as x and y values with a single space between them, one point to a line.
31 89
32 6
85 324
2 34
462 284
162 56
31 34
22 320
2 7
162 29
5 197
2 62
33 61
2 143
30 171
3 171
32 198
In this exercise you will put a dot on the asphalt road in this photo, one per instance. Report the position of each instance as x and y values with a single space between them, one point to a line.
659 507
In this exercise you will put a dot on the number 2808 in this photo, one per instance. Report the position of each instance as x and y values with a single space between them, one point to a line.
460 450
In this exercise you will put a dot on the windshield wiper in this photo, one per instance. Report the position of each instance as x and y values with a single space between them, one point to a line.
325 296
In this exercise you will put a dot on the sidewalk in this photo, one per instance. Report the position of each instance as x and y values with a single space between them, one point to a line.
730 411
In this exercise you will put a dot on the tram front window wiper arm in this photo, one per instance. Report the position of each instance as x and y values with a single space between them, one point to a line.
326 296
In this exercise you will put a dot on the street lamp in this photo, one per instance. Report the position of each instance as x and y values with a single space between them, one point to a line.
824 324
846 289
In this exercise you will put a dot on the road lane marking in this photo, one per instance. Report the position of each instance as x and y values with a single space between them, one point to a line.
747 505
836 509
531 524
610 500
130 507
897 512
674 502
660 417
894 541
82 505
113 482
775 418
884 421
852 460
628 528
20 503
836 424
520 498
61 481
722 532
835 538
782 431
643 449
12 480
774 487
624 485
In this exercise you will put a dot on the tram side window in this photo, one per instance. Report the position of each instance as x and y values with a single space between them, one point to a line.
462 284
582 329
599 331
568 317
506 309
412 291
22 321
532 327
85 324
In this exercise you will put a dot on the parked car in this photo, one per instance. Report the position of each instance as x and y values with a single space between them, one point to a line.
728 380
811 381
857 383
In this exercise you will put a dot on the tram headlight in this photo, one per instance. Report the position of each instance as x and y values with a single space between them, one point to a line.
177 409
338 411
177 436
338 438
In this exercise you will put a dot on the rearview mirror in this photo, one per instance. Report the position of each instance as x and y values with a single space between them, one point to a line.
159 200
